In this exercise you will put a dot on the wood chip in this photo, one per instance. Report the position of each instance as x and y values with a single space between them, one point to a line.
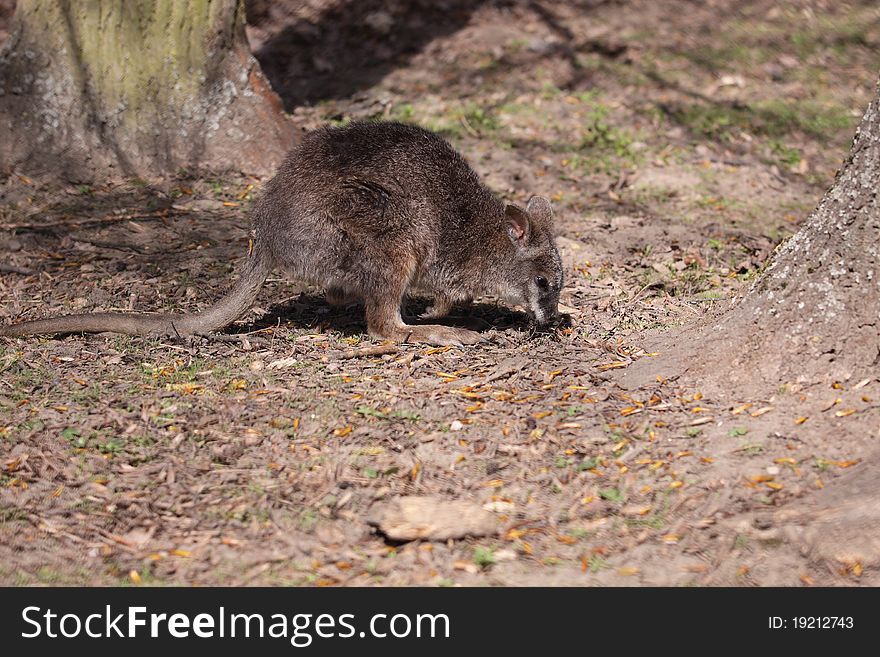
430 518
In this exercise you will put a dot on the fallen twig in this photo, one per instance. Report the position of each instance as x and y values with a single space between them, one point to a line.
161 214
377 350
12 269
467 126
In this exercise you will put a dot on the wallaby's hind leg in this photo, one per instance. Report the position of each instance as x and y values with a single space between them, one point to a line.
384 321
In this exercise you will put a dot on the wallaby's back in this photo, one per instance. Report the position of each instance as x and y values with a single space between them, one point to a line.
350 200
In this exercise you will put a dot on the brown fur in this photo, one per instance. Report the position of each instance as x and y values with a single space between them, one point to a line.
373 211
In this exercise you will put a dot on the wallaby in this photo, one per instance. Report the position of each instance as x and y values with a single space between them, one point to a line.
372 211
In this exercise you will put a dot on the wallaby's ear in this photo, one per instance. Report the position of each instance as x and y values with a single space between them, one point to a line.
516 221
539 209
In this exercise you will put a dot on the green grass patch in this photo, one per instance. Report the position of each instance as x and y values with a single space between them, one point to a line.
774 118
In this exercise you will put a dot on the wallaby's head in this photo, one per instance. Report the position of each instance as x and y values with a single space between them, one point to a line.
532 274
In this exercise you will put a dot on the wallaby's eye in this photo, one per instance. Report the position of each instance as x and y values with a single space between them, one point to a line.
542 283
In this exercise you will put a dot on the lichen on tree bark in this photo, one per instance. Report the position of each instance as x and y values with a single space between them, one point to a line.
144 87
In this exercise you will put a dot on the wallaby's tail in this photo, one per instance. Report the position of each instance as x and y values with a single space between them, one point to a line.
254 271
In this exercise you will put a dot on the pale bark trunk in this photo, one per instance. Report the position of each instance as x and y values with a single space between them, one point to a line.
136 87
814 313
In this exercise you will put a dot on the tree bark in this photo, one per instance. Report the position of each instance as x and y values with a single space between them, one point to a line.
135 88
814 313
816 308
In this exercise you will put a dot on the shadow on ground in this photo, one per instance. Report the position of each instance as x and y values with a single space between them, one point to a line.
331 50
349 46
312 312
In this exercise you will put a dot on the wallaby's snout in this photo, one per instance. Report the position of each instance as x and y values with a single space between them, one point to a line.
534 279
551 315
544 300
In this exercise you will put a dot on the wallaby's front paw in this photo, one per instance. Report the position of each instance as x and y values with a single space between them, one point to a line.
336 296
440 308
432 312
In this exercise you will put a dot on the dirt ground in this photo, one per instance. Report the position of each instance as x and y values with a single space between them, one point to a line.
680 142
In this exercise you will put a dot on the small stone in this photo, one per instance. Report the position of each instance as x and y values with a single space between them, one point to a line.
456 426
505 555
467 567
380 21
205 205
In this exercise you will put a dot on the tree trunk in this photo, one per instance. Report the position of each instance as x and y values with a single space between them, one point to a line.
812 317
135 88
814 313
